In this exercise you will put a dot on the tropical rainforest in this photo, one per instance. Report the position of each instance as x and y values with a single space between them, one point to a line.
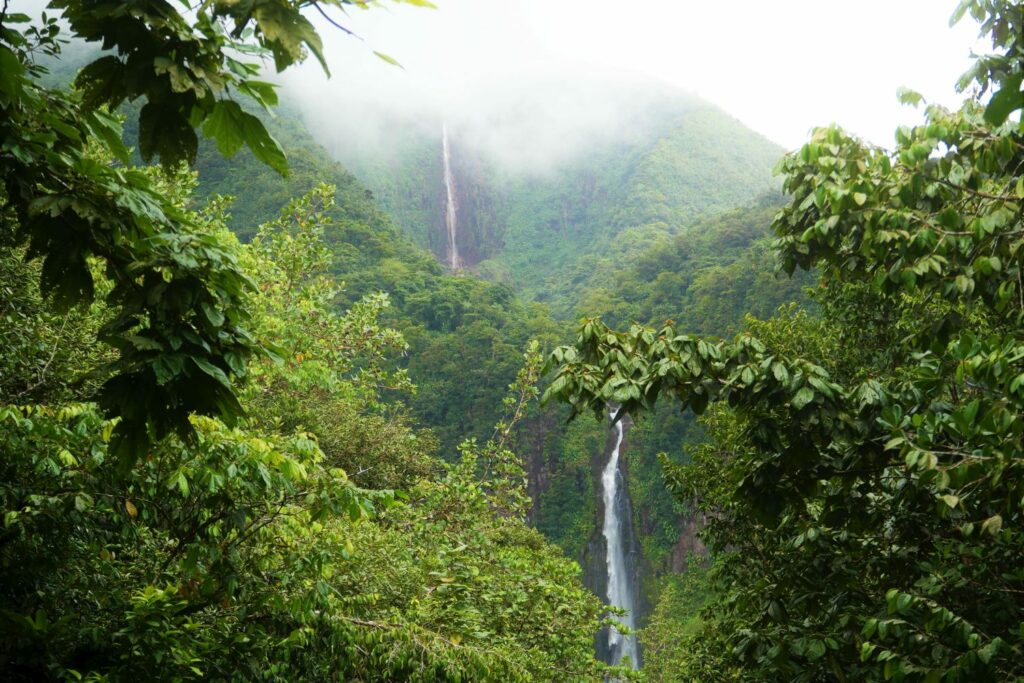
682 407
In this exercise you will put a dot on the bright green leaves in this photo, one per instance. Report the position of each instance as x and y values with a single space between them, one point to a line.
804 396
1000 72
175 293
992 525
942 225
909 97
231 127
235 522
882 511
634 368
389 59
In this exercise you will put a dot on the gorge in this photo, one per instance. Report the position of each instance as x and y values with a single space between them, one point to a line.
548 372
568 239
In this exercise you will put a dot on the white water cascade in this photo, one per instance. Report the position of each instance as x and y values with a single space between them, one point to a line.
620 592
450 209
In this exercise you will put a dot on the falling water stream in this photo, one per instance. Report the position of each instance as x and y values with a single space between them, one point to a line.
450 210
620 589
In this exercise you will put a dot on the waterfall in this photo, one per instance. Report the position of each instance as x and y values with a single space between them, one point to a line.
450 209
616 516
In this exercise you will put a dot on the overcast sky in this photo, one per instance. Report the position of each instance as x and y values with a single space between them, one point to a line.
781 67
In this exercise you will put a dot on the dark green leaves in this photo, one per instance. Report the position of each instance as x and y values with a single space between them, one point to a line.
1008 99
187 69
232 127
164 134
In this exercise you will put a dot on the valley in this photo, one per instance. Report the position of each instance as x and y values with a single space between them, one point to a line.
608 234
515 360
654 226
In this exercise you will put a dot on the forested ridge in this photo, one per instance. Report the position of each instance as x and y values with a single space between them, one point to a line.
253 428
545 231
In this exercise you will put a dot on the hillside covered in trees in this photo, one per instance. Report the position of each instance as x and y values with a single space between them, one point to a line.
270 397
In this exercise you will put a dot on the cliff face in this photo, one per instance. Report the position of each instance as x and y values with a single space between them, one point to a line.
689 544
534 444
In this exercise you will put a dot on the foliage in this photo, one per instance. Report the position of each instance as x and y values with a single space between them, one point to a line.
864 501
248 554
175 295
668 639
464 335
199 521
43 350
463 563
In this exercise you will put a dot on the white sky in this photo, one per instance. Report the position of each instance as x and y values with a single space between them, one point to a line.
780 66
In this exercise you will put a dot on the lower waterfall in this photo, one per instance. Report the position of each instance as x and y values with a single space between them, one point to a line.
616 527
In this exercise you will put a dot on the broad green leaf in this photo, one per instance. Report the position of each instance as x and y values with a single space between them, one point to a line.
1007 100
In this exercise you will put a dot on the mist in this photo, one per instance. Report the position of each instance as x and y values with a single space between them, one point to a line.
475 68
533 84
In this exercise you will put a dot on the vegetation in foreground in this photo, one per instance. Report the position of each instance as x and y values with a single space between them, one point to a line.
200 479
863 476
203 477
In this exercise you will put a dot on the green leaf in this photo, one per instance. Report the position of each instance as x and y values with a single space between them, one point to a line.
1008 100
960 12
230 127
106 128
212 370
803 397
11 72
223 124
389 59
908 96
992 525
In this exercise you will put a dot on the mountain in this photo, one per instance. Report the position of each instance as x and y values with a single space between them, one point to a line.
548 222
625 200
668 221
466 335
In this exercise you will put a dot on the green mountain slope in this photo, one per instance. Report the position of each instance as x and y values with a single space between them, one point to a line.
548 230
466 335
707 277
646 233
637 230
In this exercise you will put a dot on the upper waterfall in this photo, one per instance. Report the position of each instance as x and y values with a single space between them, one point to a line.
451 219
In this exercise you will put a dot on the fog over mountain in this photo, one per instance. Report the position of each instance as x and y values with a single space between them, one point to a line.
533 81
525 123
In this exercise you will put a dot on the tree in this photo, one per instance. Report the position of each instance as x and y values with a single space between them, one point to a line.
865 500
177 319
250 554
